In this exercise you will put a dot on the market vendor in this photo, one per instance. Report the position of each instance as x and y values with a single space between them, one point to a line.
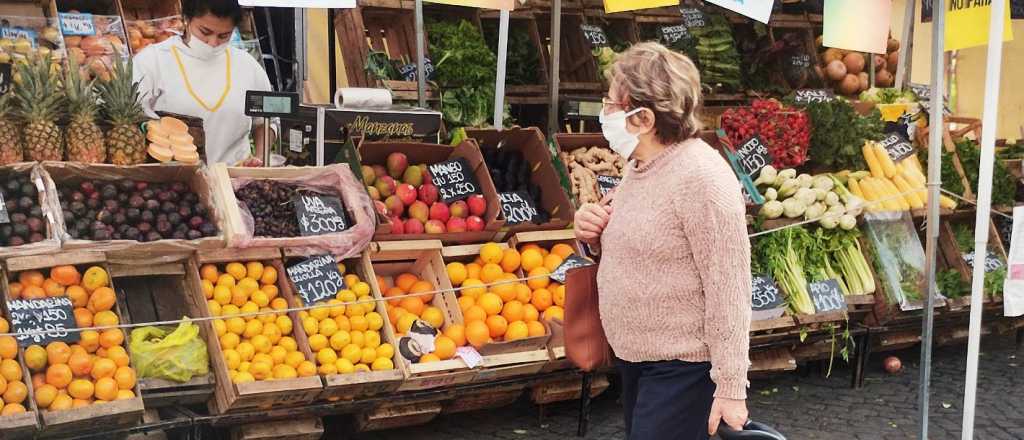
201 75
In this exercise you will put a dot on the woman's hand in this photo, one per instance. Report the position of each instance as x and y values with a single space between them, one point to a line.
591 219
732 411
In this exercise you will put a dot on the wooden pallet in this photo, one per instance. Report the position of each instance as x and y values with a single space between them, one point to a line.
561 390
301 429
398 416
494 397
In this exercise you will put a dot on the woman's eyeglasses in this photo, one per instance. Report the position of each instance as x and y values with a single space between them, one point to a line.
608 102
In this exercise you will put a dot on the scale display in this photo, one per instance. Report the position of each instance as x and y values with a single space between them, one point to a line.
270 104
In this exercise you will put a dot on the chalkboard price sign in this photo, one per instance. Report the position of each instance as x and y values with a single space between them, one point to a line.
518 208
753 156
43 320
672 34
992 261
897 146
572 262
319 214
594 35
316 278
408 71
765 295
800 61
807 96
826 296
693 17
454 180
605 184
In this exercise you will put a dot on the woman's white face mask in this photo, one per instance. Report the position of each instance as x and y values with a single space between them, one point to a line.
204 51
613 127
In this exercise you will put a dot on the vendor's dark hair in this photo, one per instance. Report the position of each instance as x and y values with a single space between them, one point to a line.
219 8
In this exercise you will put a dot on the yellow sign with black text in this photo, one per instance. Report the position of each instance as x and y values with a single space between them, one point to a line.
967 23
612 6
506 5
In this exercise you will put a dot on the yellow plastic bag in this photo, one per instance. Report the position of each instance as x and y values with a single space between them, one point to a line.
178 355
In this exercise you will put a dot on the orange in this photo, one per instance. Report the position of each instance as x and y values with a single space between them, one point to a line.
491 303
513 311
81 389
412 305
490 273
530 313
222 294
226 280
554 312
474 313
420 287
254 270
473 288
541 299
491 253
444 347
405 281
52 288
269 275
45 395
33 292
523 293
80 403
125 377
562 250
10 370
394 291
510 260
14 408
94 278
31 278
83 317
498 325
207 289
61 402
477 333
529 246
535 328
14 290
456 273
119 355
105 318
59 375
531 259
239 296
558 295
457 333
236 270
506 290
106 389
473 270
8 347
433 316
125 394
3 386
538 280
111 338
38 380
66 275
552 261
80 364
466 302
405 323
35 357
103 368
428 358
101 299
271 291
78 296
209 273
16 393
58 353
90 340
517 330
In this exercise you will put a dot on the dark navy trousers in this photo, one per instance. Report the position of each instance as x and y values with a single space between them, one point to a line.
666 400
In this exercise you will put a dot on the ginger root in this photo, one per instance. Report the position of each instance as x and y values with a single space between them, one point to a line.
584 164
584 184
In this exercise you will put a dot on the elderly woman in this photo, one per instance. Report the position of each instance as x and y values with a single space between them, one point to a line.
674 279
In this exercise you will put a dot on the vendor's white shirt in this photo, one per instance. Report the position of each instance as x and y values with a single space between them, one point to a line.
162 88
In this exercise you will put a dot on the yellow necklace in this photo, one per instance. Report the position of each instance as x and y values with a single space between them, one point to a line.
195 96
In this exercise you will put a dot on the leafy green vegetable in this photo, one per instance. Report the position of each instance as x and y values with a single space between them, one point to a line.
951 284
888 96
379 66
994 281
717 56
465 71
523 67
847 258
1011 151
839 134
782 253
1004 185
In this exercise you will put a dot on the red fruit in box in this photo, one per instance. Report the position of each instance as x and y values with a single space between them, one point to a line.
406 193
381 207
474 223
397 226
413 176
456 224
459 209
477 205
428 193
385 186
413 226
395 206
426 174
439 212
419 211
397 163
379 170
434 227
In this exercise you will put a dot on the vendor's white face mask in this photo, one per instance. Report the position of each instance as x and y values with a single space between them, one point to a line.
613 127
203 51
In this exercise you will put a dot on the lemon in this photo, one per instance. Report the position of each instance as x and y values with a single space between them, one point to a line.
245 351
382 364
353 353
326 356
340 339
345 366
386 351
318 342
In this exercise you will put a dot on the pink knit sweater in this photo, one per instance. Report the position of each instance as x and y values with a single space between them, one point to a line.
674 278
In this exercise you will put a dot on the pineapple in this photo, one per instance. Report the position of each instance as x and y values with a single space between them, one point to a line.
85 139
40 103
126 144
10 134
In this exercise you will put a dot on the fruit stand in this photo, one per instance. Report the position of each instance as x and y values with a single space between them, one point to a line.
422 278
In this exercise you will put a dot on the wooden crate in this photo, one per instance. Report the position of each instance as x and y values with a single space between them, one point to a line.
359 384
229 396
423 259
566 143
338 177
151 291
494 397
620 26
524 21
531 143
300 429
375 153
952 254
92 418
24 425
72 173
578 69
115 23
560 390
397 416
772 361
39 178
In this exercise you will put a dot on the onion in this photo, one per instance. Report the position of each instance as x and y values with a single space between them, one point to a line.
891 61
883 79
831 54
849 86
893 45
854 62
879 62
864 79
835 70
893 364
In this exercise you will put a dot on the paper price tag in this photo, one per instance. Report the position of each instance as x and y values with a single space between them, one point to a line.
76 24
295 140
454 180
41 321
469 355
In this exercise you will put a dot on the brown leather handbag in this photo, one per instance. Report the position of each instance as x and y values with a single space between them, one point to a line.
585 343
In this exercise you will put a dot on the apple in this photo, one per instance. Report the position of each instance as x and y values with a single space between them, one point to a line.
413 226
413 176
456 224
426 174
428 193
459 209
385 185
439 212
379 170
406 193
397 226
434 227
474 223
396 164
477 205
395 206
419 211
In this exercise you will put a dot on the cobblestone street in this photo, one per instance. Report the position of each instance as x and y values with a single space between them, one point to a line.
810 407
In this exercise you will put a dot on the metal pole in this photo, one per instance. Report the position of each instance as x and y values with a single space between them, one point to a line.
937 125
266 142
332 58
870 57
982 219
556 46
499 85
906 45
421 80
299 69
